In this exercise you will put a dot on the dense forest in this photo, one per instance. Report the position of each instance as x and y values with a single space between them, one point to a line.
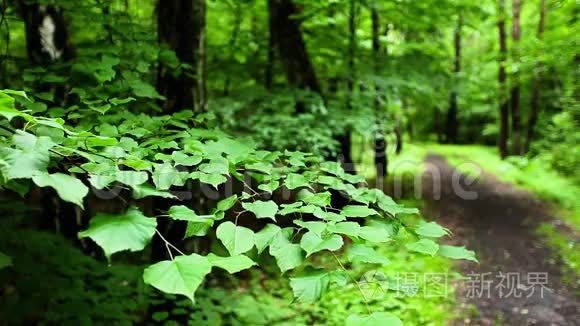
263 161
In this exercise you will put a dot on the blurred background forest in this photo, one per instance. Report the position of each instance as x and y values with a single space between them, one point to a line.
373 84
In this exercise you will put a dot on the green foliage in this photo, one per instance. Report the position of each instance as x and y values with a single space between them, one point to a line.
114 233
51 281
182 275
376 319
236 239
214 153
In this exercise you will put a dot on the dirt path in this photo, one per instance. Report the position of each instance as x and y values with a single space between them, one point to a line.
499 226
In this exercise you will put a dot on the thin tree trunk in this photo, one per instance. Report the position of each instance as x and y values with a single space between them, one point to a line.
503 104
437 125
345 139
381 159
269 71
106 8
452 126
535 96
333 81
286 35
398 135
181 25
515 91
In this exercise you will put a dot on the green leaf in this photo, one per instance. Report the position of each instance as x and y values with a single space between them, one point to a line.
394 209
294 181
332 168
358 211
376 319
132 178
454 252
130 231
265 236
198 229
215 166
310 288
142 191
262 209
183 213
288 255
261 167
361 253
213 179
329 216
351 229
118 101
290 208
425 246
165 176
352 178
227 203
431 230
270 186
236 239
314 226
27 161
184 159
375 234
231 264
183 275
319 199
68 188
5 261
313 242
138 165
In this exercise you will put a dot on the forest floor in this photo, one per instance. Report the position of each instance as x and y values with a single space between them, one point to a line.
518 281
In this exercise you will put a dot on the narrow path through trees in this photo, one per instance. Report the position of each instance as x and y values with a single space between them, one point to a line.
499 225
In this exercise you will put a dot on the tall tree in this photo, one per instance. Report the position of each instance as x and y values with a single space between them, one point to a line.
181 26
515 91
451 125
381 159
535 92
503 104
286 36
345 138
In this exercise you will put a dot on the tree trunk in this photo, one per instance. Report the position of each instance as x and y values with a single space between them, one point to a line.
451 126
381 159
269 71
515 91
181 26
286 35
503 104
47 41
535 92
345 138
398 136
47 37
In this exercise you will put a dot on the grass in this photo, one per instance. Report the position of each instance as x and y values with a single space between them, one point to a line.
567 250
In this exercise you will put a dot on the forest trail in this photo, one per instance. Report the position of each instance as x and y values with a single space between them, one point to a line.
499 225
